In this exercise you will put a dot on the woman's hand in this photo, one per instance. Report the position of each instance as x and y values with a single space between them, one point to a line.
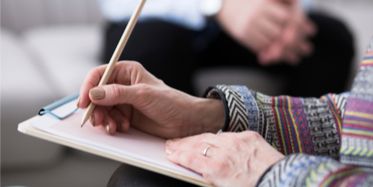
226 159
254 23
293 44
276 30
134 97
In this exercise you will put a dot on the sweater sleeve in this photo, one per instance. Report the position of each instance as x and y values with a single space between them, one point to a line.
290 124
306 170
310 126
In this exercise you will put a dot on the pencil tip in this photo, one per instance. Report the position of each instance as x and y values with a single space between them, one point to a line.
87 114
84 120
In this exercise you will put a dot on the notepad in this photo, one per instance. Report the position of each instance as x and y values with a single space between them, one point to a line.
135 147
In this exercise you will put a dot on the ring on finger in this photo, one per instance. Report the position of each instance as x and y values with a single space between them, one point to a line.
204 152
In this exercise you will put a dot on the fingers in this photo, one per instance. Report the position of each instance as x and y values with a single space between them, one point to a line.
114 94
111 126
207 154
192 142
297 45
270 29
91 80
121 120
306 48
308 27
190 159
269 26
98 116
259 42
294 53
113 119
294 46
272 54
278 13
188 152
292 43
126 73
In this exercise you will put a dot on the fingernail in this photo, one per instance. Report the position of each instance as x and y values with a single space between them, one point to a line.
97 93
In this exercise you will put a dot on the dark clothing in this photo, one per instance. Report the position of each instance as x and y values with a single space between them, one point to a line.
173 53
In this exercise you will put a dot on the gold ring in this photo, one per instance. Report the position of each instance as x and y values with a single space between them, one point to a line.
204 153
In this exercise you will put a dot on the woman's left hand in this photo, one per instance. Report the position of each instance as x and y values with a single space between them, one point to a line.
225 159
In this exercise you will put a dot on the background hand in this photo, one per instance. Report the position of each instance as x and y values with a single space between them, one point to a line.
293 43
134 97
254 23
233 159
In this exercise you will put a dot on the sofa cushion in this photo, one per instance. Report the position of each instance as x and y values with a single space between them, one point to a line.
66 53
24 91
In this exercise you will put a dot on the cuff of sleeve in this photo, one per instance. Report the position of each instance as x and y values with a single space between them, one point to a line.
236 119
261 179
214 93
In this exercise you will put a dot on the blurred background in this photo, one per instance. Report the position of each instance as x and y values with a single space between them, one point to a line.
48 46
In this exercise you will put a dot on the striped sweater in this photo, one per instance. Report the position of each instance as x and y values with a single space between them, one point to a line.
327 141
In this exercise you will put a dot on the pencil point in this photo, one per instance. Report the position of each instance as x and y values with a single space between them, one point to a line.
84 120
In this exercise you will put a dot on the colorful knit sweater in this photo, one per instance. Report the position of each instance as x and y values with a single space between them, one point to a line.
337 130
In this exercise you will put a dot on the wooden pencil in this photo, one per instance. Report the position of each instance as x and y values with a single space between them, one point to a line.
116 55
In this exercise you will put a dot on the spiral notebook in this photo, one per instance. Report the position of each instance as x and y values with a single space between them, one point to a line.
59 122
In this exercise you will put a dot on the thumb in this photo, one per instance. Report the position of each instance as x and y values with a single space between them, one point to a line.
114 94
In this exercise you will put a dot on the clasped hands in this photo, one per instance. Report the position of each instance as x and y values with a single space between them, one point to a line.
135 98
276 30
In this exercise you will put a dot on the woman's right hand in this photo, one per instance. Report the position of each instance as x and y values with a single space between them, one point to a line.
134 97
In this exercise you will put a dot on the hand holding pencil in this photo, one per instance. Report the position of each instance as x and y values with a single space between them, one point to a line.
114 59
135 98
138 99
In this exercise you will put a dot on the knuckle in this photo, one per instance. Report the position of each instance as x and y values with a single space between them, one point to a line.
115 90
134 65
143 94
251 136
209 135
143 90
91 75
236 141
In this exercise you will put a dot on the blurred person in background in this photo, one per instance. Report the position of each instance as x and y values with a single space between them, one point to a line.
283 37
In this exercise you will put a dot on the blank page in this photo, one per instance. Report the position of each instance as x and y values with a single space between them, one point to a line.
134 145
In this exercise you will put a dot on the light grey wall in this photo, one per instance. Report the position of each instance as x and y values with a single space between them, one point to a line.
358 14
19 15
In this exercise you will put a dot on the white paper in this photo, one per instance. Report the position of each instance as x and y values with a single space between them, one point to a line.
134 144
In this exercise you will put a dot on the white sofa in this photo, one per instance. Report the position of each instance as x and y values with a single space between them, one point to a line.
48 46
40 62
